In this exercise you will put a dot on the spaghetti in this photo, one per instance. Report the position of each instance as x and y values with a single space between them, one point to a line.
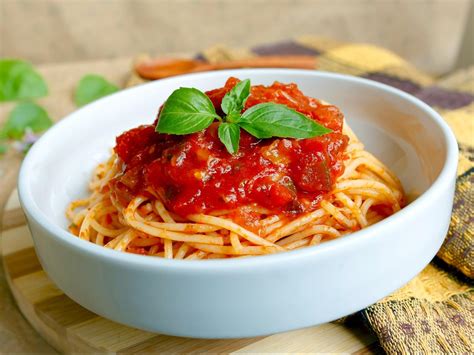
364 192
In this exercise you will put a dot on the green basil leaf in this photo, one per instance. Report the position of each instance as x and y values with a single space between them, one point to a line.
233 117
274 120
19 80
186 111
92 87
234 100
25 115
229 134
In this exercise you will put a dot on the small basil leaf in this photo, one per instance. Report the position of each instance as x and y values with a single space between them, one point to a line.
234 100
233 117
19 80
229 134
186 111
25 115
274 120
92 87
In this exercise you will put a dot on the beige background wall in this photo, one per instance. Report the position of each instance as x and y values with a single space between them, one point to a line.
427 32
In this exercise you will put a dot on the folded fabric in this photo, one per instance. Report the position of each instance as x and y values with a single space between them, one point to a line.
435 311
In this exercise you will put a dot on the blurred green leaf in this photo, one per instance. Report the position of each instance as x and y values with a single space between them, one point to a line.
25 115
19 80
92 87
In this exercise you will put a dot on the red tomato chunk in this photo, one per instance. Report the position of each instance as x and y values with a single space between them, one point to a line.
195 173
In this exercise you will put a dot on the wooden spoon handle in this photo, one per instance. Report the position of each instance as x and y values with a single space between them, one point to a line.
162 68
303 62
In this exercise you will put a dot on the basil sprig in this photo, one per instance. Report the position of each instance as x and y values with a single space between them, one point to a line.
189 110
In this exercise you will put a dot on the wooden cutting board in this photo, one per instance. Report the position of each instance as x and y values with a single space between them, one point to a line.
71 328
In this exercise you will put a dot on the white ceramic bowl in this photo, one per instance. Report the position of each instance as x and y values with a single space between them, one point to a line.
250 296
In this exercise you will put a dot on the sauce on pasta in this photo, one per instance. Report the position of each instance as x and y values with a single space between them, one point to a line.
195 174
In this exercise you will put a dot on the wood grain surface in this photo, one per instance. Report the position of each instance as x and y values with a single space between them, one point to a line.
70 328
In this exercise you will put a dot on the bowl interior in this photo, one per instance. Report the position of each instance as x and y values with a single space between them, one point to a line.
393 126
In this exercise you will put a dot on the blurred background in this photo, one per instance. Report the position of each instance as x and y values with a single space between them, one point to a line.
435 35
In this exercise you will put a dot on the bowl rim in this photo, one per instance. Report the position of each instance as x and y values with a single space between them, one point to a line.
443 179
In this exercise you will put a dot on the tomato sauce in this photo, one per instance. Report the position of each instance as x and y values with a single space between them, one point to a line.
195 174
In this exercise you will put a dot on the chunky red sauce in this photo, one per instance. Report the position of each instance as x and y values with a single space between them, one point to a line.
195 173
